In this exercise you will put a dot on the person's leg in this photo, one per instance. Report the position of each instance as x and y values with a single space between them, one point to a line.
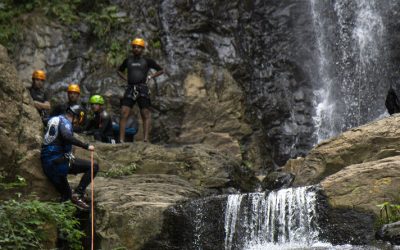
58 179
146 118
144 105
122 122
83 166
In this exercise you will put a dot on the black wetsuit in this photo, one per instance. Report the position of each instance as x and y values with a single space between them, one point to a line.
138 68
100 126
41 96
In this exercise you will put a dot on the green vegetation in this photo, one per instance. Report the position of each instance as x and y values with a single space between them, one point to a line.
9 29
27 224
115 53
389 212
100 16
120 171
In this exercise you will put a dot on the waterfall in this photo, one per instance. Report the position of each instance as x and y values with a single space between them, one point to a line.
261 221
352 65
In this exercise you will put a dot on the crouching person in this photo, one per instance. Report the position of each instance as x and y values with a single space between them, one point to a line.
58 160
99 122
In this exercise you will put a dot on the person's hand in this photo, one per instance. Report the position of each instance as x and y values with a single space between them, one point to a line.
91 148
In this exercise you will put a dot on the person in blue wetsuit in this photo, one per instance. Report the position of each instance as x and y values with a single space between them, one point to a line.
57 158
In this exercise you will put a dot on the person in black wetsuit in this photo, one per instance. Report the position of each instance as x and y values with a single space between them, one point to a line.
39 95
57 158
74 93
99 123
138 68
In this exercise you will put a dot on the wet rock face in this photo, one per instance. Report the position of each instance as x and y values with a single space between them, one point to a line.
345 226
251 58
262 45
390 232
20 133
190 225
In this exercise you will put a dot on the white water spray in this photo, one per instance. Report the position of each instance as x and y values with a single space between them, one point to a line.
258 219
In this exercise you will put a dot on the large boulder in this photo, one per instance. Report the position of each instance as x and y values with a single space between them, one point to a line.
374 141
202 165
20 133
358 170
364 186
129 210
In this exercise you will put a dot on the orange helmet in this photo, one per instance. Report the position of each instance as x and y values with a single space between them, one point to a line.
39 74
74 88
138 41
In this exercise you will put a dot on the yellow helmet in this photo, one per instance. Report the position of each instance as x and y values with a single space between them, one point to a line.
138 41
74 88
39 74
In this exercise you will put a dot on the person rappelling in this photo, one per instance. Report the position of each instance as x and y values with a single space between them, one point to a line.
57 158
138 68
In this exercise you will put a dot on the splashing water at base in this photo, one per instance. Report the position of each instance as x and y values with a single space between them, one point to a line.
256 220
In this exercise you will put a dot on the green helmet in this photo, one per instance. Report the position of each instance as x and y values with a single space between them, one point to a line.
96 99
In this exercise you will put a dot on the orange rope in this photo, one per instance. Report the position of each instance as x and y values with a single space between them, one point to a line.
92 196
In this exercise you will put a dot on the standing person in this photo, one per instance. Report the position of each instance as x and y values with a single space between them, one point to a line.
138 68
39 95
58 160
73 94
99 122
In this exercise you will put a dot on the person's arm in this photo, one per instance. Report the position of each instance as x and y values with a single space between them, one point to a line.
42 105
68 136
105 120
122 69
159 70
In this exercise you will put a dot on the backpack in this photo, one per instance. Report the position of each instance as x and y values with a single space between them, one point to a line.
392 102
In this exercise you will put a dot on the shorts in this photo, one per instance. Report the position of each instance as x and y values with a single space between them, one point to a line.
142 102
143 98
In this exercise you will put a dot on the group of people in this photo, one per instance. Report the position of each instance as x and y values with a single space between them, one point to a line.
64 119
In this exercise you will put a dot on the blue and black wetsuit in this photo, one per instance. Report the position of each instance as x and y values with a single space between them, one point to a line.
58 161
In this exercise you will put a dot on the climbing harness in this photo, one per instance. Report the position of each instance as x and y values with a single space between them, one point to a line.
70 157
132 92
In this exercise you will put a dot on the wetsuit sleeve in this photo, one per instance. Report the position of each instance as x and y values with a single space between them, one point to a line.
46 96
152 64
105 119
123 66
68 136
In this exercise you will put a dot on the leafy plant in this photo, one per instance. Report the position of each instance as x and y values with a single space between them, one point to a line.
24 223
115 54
389 212
18 182
120 171
105 21
64 10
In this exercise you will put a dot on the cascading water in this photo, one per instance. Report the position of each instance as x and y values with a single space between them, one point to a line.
265 221
352 65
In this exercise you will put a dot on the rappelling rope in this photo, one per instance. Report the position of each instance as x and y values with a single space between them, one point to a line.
92 197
